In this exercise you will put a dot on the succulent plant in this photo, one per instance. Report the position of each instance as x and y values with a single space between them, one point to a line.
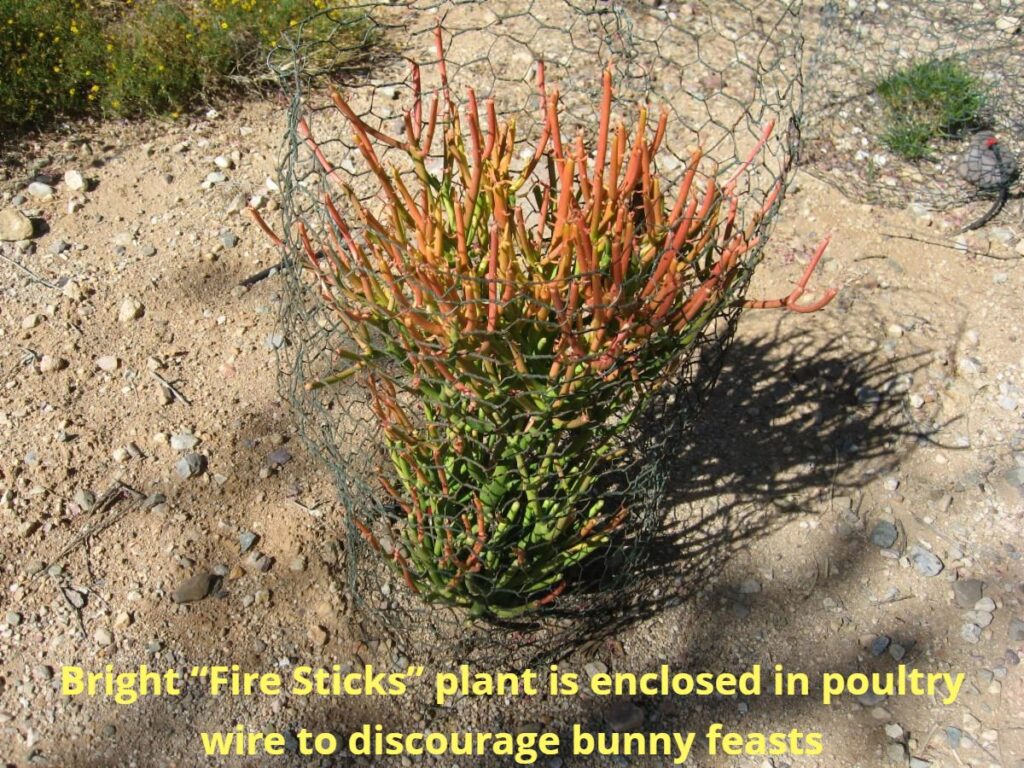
510 320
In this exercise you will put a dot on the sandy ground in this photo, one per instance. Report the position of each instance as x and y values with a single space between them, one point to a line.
900 404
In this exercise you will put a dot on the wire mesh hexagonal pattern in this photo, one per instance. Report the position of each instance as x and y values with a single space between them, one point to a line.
898 94
518 238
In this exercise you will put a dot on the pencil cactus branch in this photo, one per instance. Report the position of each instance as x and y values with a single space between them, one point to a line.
530 296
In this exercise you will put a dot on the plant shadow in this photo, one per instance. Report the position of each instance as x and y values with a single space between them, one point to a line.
800 415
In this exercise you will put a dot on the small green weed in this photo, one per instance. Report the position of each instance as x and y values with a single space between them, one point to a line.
927 101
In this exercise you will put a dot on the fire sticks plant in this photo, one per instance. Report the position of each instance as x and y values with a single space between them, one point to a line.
510 323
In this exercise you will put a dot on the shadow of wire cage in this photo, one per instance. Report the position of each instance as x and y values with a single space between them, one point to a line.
724 69
861 43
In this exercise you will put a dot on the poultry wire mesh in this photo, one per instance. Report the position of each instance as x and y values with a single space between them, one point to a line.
898 91
496 427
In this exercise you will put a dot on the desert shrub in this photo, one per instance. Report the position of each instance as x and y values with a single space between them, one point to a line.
512 310
79 57
51 54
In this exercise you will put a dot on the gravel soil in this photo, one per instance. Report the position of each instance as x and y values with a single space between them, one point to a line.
852 499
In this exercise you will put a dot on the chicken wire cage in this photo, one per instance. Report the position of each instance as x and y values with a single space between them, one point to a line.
502 498
901 97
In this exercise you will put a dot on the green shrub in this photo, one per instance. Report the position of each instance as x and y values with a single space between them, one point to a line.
51 54
927 101
66 58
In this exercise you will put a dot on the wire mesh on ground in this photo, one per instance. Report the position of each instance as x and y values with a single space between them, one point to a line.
512 279
897 92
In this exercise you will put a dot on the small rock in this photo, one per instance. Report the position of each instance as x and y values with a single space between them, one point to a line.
103 637
894 731
953 736
31 321
967 592
85 499
1017 631
184 441
927 563
317 635
73 291
298 564
194 588
190 465
230 239
880 644
969 366
275 341
131 309
40 191
108 363
224 163
986 604
59 247
897 651
14 225
212 179
148 251
76 598
257 561
624 717
153 501
971 633
51 364
13 618
592 668
247 540
981 618
74 181
897 754
919 762
884 534
279 457
1008 24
